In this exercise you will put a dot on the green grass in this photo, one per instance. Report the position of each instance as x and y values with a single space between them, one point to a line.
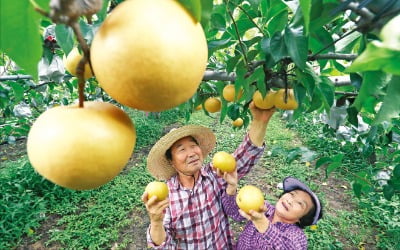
94 219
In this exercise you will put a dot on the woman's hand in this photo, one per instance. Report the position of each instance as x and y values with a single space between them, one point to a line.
231 180
262 115
259 219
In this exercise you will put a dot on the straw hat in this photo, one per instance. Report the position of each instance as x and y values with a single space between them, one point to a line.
157 163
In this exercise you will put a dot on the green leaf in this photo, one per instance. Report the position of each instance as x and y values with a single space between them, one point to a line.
297 45
278 22
102 14
338 158
391 103
18 91
316 101
388 192
352 113
396 171
65 37
325 15
218 44
307 79
322 161
277 47
318 40
206 10
328 91
20 38
218 21
254 4
372 84
306 9
377 57
347 44
357 189
266 49
194 7
331 167
234 111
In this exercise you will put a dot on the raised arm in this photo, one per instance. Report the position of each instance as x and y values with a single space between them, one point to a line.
155 211
258 125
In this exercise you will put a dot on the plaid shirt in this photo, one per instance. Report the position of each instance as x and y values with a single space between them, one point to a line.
278 235
195 218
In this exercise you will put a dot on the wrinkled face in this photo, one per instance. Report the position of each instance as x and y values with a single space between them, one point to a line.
293 205
187 157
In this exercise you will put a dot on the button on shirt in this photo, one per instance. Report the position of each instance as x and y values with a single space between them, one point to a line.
195 218
278 235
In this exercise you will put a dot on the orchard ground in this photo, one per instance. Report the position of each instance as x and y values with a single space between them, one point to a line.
335 192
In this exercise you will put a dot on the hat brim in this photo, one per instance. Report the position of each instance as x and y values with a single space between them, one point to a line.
290 184
157 163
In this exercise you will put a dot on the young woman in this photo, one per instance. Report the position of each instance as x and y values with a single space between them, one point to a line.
275 227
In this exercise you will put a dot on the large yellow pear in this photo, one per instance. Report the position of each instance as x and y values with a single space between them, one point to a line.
264 103
224 161
238 122
283 102
81 148
150 54
72 60
212 104
249 198
229 93
158 189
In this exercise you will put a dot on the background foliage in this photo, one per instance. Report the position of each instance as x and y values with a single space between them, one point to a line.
342 61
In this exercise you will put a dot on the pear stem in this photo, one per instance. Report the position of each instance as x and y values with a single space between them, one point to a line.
80 69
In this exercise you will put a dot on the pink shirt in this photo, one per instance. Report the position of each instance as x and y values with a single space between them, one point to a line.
278 235
195 218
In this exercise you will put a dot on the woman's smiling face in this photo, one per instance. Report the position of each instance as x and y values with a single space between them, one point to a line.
293 205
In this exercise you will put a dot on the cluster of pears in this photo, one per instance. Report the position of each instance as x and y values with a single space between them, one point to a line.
147 55
281 99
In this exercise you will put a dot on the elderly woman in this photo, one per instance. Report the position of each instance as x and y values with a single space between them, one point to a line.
279 226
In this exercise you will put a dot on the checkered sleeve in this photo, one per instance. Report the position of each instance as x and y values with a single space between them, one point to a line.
230 207
169 242
247 155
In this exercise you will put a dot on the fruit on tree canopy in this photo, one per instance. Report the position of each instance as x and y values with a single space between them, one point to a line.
158 189
72 60
288 104
224 161
212 104
264 103
198 107
249 198
229 93
81 148
238 122
150 54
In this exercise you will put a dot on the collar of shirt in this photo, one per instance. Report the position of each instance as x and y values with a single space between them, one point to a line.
175 184
270 215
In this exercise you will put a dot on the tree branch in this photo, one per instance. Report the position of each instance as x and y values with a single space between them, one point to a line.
210 75
15 77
